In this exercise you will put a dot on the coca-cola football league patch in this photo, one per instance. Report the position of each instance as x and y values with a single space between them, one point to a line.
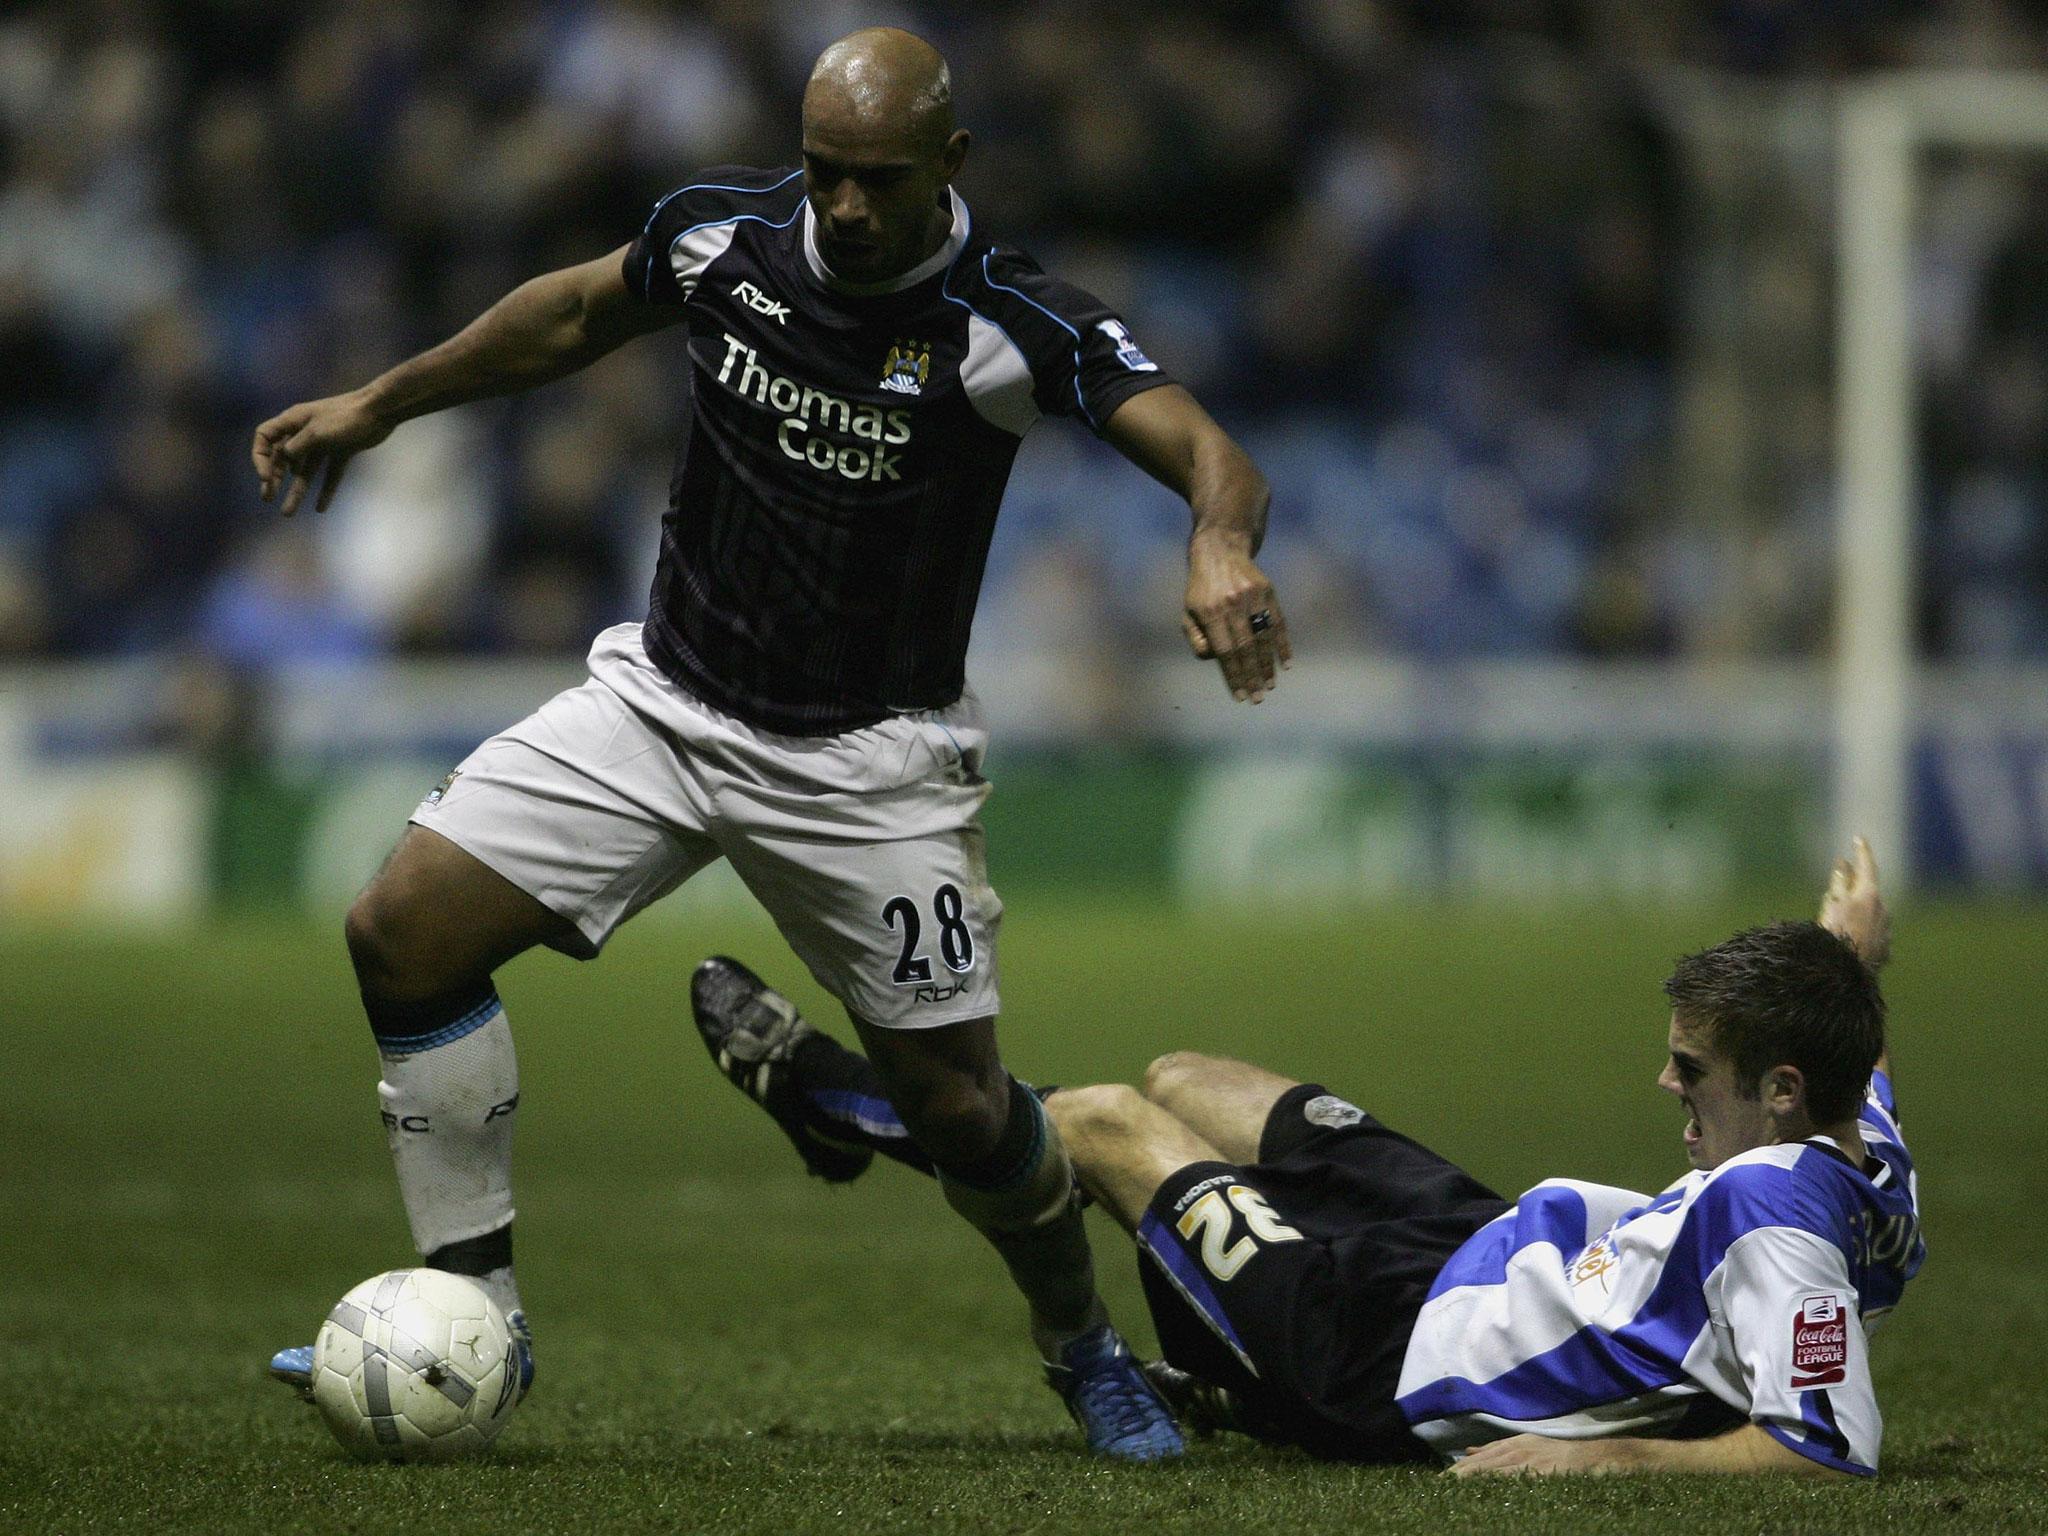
1820 1342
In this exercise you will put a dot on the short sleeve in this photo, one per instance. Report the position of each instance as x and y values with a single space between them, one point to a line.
1786 1299
1084 360
1880 1114
692 226
649 276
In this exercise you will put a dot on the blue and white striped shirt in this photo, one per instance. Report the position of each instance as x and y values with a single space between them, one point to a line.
1744 1293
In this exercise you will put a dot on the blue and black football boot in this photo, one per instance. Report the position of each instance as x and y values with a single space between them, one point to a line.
753 1033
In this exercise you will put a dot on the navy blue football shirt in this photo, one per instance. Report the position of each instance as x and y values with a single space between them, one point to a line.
846 449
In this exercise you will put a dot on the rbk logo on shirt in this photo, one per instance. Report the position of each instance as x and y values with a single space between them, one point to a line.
755 299
1820 1343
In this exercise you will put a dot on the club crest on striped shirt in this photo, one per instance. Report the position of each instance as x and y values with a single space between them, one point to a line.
1596 1262
907 367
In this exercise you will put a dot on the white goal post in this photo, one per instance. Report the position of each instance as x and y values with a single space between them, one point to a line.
1883 125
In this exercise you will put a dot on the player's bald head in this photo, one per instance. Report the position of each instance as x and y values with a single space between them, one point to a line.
880 149
882 83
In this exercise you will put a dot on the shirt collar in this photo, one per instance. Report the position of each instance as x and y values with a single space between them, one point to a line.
931 265
1873 1168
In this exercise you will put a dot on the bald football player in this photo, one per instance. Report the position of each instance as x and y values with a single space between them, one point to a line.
864 361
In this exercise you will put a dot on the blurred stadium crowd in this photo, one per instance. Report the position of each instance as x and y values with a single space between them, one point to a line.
1431 260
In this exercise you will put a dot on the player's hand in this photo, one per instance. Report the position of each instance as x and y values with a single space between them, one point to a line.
1854 910
1541 1456
1226 589
296 444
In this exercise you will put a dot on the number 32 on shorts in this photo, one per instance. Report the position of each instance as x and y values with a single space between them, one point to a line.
956 942
1211 1217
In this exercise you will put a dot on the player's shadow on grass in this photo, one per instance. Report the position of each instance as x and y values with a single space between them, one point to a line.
891 1446
907 1448
1952 1456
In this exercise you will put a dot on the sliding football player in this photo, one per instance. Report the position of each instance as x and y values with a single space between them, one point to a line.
1322 1280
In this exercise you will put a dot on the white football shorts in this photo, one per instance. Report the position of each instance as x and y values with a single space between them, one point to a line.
866 848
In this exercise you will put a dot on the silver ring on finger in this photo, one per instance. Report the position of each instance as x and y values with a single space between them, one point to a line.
1261 620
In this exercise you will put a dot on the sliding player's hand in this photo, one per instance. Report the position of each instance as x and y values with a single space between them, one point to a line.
296 444
1854 910
1232 617
1538 1456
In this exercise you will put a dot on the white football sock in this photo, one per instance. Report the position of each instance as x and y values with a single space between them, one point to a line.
448 1110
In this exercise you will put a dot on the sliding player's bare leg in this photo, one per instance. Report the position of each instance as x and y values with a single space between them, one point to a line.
1224 1102
425 938
1123 1145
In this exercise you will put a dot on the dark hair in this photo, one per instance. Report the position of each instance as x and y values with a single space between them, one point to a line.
1788 994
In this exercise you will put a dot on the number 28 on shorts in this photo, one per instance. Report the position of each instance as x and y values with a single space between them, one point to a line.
903 917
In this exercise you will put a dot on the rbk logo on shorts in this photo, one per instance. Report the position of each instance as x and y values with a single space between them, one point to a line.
1820 1343
434 795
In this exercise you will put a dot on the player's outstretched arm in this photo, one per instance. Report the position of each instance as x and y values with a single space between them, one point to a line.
1748 1449
552 325
1230 613
1853 908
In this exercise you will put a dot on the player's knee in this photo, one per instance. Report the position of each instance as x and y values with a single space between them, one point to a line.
389 948
1173 1074
369 943
1089 1114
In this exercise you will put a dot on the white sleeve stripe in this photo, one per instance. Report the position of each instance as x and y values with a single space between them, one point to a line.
996 375
1875 1117
695 249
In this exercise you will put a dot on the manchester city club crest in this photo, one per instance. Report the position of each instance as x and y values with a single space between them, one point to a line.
907 366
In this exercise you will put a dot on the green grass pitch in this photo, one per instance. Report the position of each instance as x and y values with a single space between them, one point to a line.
194 1172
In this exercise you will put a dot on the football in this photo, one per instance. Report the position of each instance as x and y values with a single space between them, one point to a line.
415 1365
